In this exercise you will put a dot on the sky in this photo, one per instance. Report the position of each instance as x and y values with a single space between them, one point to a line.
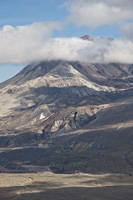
35 30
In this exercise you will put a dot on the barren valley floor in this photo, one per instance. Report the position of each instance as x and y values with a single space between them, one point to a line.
50 186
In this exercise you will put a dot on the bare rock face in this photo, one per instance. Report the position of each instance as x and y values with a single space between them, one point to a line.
86 37
68 116
89 38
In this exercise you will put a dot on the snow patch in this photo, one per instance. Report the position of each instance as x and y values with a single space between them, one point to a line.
46 112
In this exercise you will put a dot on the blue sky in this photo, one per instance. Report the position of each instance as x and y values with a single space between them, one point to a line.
22 12
73 17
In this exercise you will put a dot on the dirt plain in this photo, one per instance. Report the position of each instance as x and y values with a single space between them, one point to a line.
50 186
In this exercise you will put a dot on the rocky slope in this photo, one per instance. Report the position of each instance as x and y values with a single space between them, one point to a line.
68 116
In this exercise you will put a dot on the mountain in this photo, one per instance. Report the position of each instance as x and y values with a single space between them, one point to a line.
86 37
67 117
89 38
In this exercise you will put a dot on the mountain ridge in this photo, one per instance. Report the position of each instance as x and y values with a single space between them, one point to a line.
67 109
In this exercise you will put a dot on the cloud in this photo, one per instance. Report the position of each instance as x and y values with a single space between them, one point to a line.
94 13
127 29
26 44
19 43
119 51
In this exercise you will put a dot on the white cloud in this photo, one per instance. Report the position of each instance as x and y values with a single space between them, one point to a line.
94 13
20 44
119 51
127 29
26 44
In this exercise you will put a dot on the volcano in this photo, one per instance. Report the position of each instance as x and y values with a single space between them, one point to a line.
67 117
